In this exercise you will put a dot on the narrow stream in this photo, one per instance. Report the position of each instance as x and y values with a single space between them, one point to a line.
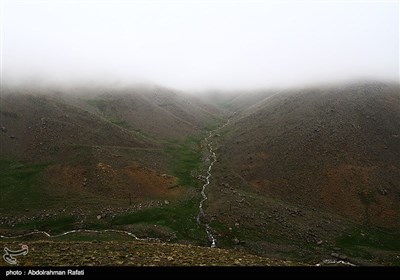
201 214
334 262
77 231
206 180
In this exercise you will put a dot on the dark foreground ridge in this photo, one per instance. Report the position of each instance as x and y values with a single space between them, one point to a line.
133 253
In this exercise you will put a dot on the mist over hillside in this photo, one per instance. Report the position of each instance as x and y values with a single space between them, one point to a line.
199 133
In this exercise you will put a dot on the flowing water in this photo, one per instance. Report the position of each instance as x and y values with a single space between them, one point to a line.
212 159
78 231
206 179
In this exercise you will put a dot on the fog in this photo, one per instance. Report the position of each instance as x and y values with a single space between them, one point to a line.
196 45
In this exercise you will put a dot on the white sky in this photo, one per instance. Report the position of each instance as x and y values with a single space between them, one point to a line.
200 45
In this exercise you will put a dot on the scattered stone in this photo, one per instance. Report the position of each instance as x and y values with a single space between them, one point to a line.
236 241
343 257
98 217
166 202
335 255
319 242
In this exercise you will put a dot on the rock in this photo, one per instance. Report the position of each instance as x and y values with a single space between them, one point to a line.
98 217
166 202
335 255
319 242
236 241
3 129
383 191
236 224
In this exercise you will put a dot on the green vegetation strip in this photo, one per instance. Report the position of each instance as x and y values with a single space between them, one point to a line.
373 238
180 217
185 158
19 186
53 225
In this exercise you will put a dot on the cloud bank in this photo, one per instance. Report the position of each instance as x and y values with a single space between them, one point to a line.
199 45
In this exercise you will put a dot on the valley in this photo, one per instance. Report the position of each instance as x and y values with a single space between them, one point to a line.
283 177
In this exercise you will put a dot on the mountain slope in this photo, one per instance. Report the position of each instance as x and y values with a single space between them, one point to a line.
135 253
109 148
335 149
156 111
44 127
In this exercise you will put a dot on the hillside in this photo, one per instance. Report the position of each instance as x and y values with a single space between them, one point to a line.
75 157
335 148
155 111
39 127
303 175
134 253
308 170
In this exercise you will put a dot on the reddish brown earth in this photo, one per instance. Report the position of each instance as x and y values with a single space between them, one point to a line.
303 174
103 179
335 149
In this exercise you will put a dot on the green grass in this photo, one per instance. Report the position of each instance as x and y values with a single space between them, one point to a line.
373 238
20 186
180 217
54 225
185 158
214 124
89 236
363 242
99 103
121 123
8 114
